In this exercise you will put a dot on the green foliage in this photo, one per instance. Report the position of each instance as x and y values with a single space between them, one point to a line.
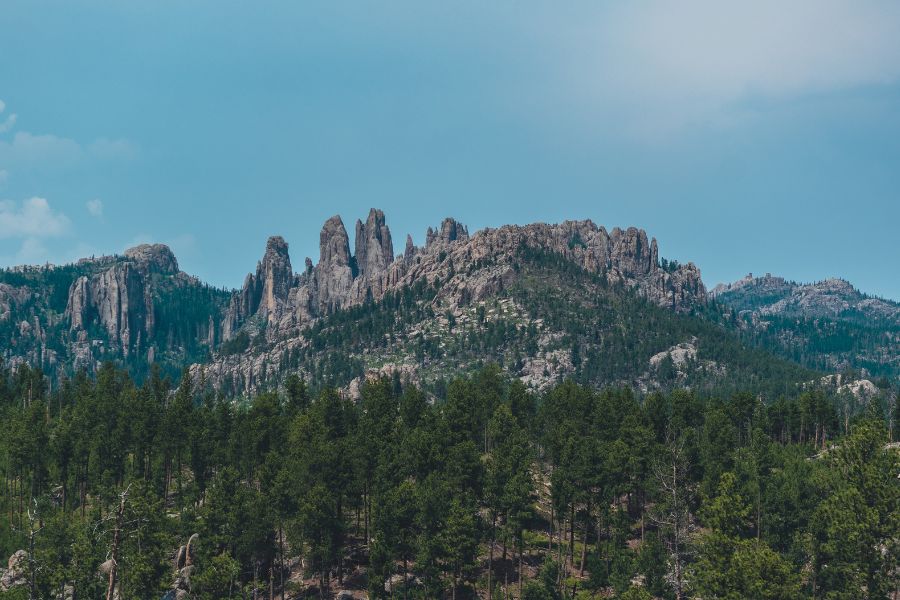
733 569
239 343
853 531
713 496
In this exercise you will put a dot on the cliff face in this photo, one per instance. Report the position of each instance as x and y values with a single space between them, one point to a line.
135 308
119 299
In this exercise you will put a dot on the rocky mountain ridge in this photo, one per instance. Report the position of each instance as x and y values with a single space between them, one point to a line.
828 325
139 308
284 299
832 298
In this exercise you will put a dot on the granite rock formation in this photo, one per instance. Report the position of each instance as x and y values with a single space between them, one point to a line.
264 292
470 269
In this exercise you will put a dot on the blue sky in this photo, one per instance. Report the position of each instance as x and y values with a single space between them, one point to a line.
757 137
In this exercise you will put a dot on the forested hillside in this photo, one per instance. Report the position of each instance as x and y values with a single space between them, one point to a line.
827 326
533 412
117 490
550 321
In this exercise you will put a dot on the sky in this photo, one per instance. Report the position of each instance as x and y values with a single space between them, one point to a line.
745 136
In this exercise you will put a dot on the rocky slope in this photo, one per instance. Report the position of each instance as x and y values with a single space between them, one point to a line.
828 325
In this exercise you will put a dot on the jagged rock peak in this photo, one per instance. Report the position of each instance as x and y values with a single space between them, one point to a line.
451 231
334 273
632 252
275 270
156 257
374 247
410 249
334 244
276 246
265 291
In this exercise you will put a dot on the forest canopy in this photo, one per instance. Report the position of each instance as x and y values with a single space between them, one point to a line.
117 490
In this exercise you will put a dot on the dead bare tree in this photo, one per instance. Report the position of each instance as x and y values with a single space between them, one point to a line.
33 568
672 510
111 566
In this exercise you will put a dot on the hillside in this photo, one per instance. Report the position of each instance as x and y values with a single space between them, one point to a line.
827 325
546 302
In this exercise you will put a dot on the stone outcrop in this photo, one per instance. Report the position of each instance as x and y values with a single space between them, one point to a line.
153 257
112 308
119 297
832 298
333 276
11 297
183 570
115 299
794 316
264 292
16 571
374 248
451 230
139 306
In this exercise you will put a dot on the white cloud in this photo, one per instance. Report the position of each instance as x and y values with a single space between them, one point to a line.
106 149
9 122
28 150
669 64
95 207
31 252
33 219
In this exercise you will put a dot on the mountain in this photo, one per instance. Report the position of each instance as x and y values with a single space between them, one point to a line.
828 325
546 302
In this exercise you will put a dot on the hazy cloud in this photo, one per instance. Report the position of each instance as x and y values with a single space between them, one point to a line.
663 65
47 150
10 120
95 207
106 149
34 218
31 252
8 123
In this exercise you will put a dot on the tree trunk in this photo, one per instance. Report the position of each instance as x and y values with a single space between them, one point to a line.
281 552
115 546
587 518
521 551
550 530
571 559
491 557
368 502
